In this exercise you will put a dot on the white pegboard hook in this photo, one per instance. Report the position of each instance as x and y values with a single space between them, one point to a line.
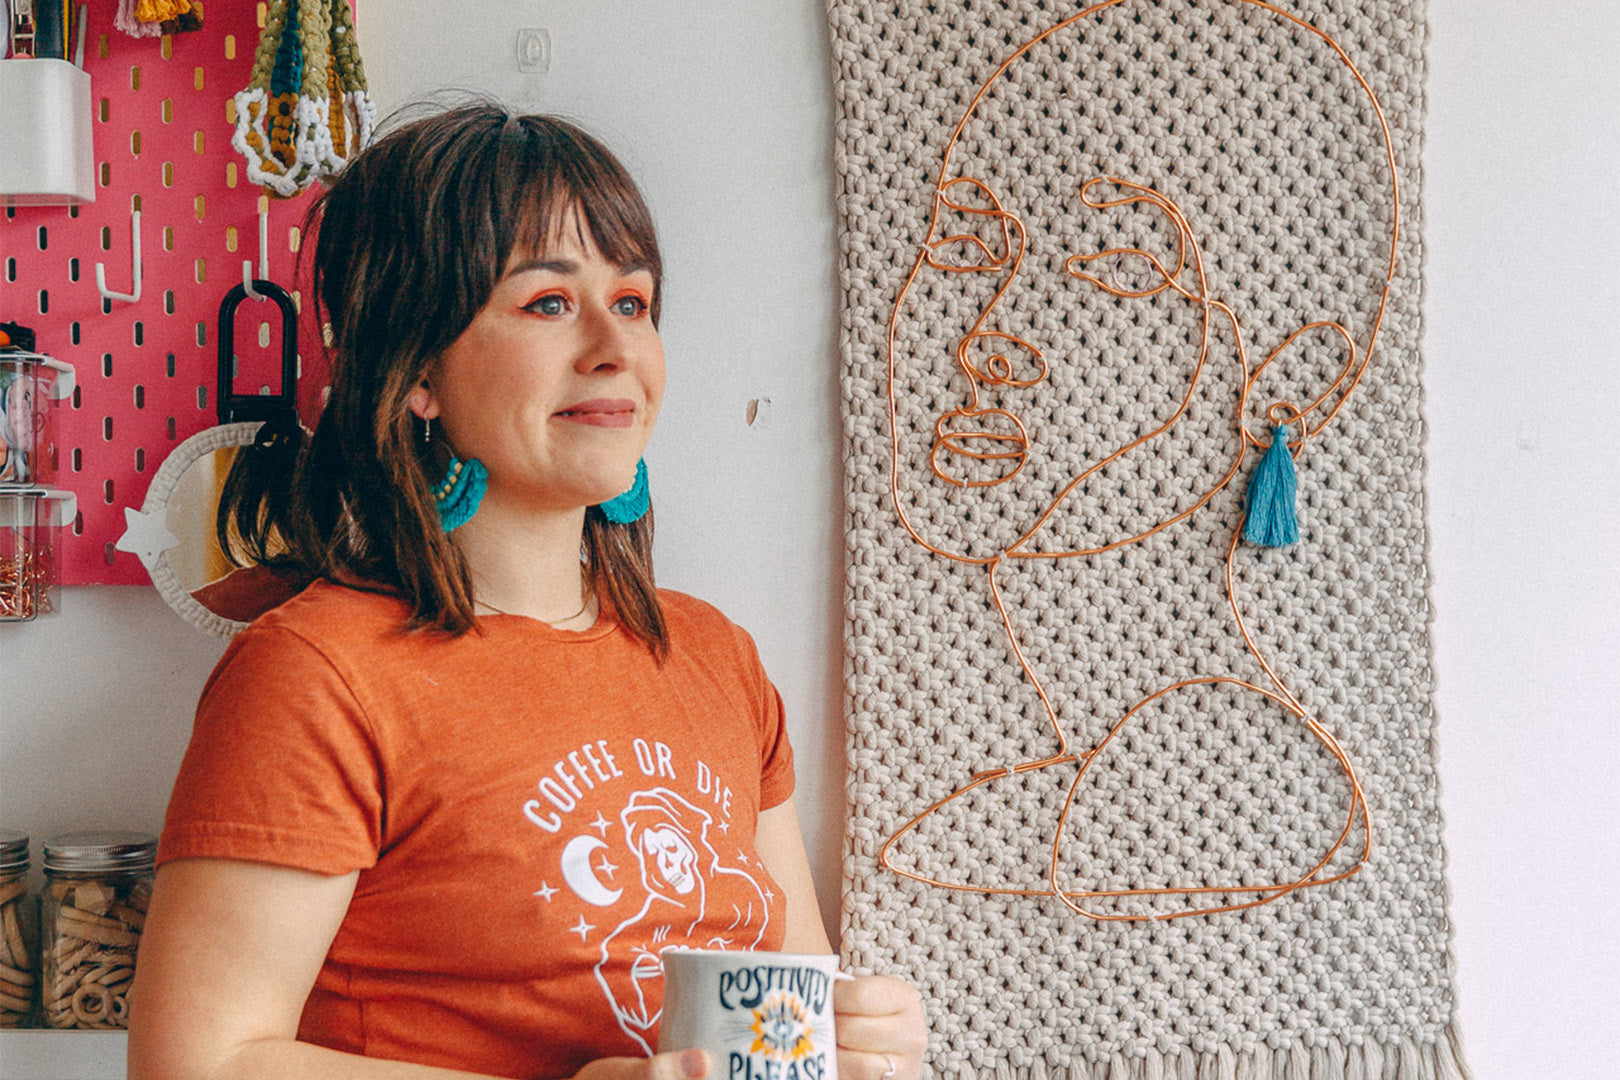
264 255
101 269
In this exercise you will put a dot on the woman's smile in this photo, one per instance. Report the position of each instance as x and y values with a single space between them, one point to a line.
601 412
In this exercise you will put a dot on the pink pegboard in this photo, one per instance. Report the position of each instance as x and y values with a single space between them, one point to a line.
146 370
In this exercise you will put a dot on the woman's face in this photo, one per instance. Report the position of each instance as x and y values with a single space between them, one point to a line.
557 382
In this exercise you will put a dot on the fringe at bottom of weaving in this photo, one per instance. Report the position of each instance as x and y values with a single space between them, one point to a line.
1326 1060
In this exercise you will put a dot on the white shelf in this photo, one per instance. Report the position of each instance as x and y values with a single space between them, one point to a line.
62 1055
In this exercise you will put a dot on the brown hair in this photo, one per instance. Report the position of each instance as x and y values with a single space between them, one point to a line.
410 241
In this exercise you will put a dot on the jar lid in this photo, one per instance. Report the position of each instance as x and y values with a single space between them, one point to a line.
100 851
13 850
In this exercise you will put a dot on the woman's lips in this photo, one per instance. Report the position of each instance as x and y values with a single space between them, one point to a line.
601 412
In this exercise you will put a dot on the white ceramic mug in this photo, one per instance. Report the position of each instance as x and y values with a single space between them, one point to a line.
760 1015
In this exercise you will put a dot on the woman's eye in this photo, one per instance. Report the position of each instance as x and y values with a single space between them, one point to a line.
631 306
554 304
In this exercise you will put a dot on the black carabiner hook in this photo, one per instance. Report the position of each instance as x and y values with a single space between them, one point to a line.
281 406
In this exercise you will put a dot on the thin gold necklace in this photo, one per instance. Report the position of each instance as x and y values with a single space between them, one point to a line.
584 585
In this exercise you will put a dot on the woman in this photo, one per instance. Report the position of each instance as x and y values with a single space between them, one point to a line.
444 809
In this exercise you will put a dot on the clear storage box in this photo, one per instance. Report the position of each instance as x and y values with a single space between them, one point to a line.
31 521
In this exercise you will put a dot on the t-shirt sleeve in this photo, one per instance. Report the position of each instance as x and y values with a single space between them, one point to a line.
282 766
776 778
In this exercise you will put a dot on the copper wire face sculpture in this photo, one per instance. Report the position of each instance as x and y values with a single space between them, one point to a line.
982 443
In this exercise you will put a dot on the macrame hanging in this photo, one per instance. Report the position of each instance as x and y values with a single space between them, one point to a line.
306 112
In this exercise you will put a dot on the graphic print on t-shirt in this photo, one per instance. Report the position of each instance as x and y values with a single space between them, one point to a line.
664 871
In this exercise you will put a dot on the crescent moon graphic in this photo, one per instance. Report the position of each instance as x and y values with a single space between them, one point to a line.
577 872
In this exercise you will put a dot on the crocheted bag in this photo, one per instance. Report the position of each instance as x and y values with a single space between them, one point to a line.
306 110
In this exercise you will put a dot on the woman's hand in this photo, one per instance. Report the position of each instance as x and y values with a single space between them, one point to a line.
880 1029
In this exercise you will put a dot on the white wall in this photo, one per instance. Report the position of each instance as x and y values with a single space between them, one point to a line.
723 110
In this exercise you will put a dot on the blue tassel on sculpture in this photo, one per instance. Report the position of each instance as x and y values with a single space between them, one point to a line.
1272 518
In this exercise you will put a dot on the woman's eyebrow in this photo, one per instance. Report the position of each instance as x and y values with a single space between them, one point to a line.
571 266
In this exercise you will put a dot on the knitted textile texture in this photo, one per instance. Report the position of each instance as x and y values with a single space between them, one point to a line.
1258 130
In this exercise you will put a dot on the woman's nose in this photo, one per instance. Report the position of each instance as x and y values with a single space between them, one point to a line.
607 344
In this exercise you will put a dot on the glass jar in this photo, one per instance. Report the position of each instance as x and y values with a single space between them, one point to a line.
17 933
97 886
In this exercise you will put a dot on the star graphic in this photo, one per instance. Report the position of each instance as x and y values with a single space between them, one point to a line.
725 827
582 929
606 867
769 896
546 891
742 858
146 536
601 823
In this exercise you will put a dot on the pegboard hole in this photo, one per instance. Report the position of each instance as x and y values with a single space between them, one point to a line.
202 397
106 307
135 143
107 490
106 238
73 273
76 401
106 429
230 46
106 174
135 77
73 333
168 306
230 175
106 365
198 206
78 523
168 110
109 551
168 238
140 396
202 274
295 238
140 333
197 78
78 460
44 301
167 48
105 111
140 459
264 335
169 428
11 269
44 239
197 142
168 174
230 238
169 366
202 335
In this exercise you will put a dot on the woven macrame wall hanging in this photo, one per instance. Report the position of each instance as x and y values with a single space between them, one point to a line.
1133 798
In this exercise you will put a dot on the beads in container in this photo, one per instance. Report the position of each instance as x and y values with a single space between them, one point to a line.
31 522
17 937
98 885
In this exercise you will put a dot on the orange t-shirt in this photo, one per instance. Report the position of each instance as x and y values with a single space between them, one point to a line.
536 815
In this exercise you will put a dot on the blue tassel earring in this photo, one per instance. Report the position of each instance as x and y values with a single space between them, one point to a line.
461 492
1272 518
632 505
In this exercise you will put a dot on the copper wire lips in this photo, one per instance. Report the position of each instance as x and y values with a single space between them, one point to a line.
976 445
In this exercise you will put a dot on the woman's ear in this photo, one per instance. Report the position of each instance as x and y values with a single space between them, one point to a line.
420 400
